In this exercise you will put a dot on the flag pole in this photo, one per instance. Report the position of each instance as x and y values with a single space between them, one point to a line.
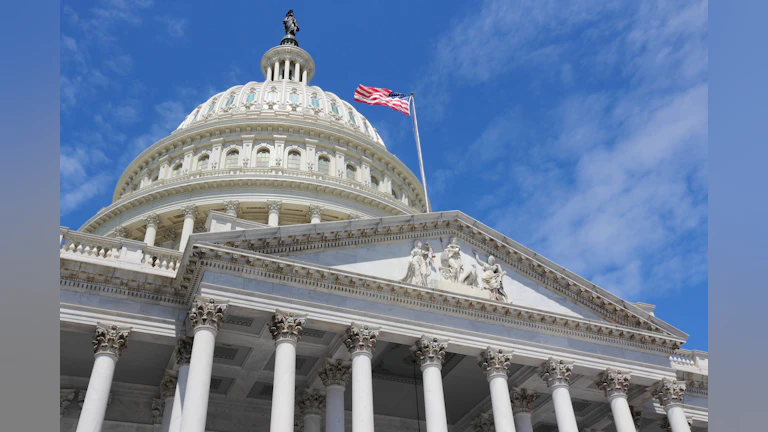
418 147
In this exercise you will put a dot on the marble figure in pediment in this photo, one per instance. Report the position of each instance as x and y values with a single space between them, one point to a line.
492 278
451 267
420 264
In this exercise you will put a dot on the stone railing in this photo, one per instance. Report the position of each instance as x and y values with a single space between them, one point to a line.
117 252
690 361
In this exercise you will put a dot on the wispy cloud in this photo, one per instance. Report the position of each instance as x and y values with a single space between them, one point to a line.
175 28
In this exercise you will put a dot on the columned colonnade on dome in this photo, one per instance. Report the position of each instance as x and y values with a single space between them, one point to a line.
186 393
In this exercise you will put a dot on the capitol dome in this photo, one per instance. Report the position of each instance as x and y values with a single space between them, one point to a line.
277 152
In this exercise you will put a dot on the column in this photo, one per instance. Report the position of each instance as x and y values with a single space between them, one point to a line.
430 352
269 74
615 383
304 76
670 394
334 375
557 375
167 394
277 70
204 318
296 76
152 220
311 404
287 69
273 207
522 407
190 213
495 364
183 352
108 343
361 342
286 331
232 207
315 212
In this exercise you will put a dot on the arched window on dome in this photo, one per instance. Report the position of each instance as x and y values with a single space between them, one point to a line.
262 158
324 165
210 108
351 172
176 170
335 108
202 163
374 182
315 101
351 116
232 158
272 95
230 101
294 160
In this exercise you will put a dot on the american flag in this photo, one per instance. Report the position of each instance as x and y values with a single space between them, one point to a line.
381 96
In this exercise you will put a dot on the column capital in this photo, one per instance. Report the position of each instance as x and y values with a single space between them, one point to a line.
232 207
522 400
286 326
334 372
430 351
484 423
206 313
494 362
190 211
311 402
669 392
315 210
354 216
361 338
152 219
613 382
168 385
110 339
183 351
273 206
158 406
119 232
556 373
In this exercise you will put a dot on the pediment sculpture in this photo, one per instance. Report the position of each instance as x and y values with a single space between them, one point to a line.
420 264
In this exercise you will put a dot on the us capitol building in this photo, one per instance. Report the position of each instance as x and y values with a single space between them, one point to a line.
270 266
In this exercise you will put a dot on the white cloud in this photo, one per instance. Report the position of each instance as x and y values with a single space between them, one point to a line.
175 28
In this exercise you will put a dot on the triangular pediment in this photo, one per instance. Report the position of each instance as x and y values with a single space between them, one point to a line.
382 248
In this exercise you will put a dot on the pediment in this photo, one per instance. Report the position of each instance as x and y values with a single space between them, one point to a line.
382 248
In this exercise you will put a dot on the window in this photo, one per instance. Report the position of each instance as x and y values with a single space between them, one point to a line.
334 108
230 101
365 125
262 158
351 171
294 98
315 101
196 113
251 97
232 157
394 193
324 165
202 163
272 96
374 182
294 160
351 116
210 108
176 170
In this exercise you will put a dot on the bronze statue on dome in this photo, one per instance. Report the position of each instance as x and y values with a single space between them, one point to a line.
289 24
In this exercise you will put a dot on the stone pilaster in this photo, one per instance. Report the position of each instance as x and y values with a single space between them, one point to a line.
110 339
613 382
669 392
311 402
484 423
205 312
361 338
430 351
286 325
494 362
522 400
183 351
556 372
334 372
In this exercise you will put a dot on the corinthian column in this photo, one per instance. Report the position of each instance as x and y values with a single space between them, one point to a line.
205 317
152 220
286 331
495 364
430 352
167 392
273 207
361 342
183 353
670 394
315 212
232 207
334 375
108 343
522 406
190 213
615 383
311 404
557 375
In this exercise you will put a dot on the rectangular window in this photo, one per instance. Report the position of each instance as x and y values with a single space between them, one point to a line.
250 97
294 98
315 102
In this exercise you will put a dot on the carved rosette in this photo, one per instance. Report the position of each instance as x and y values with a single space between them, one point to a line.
613 382
119 232
334 373
430 351
311 402
361 339
669 392
152 219
484 423
494 362
206 313
522 400
190 211
286 326
168 385
315 211
110 339
274 206
232 207
183 351
556 372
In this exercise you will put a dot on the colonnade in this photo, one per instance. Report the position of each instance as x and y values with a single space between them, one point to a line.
186 394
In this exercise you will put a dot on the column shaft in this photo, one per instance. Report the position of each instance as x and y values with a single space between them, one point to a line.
277 70
434 400
315 219
312 423
502 406
622 416
566 419
676 417
334 409
149 236
284 387
178 399
195 405
274 218
165 426
186 230
362 392
296 76
287 68
523 422
97 395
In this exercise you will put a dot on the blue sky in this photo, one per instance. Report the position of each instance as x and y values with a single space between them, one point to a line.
577 128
